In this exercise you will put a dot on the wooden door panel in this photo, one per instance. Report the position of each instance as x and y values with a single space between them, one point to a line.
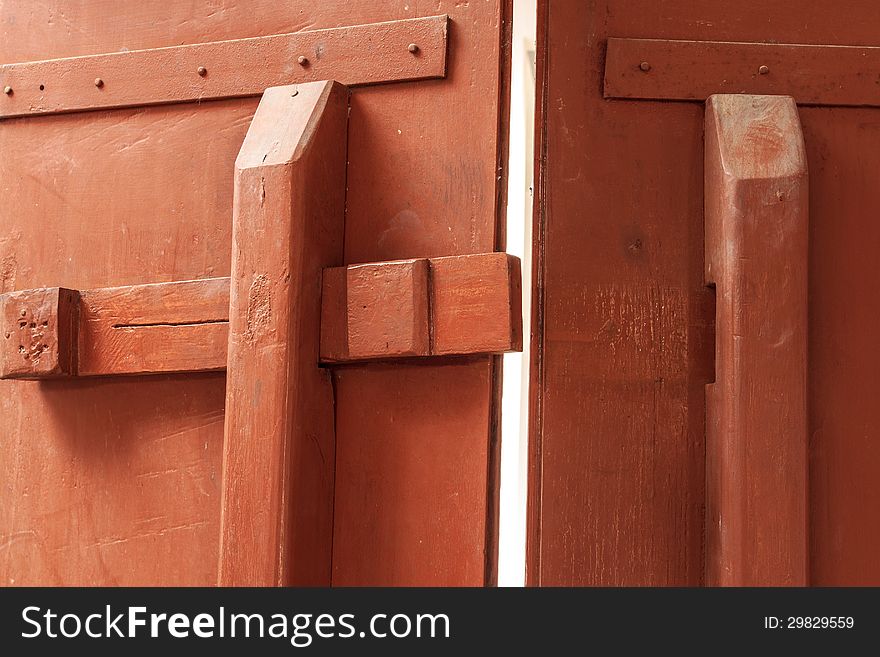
144 195
153 208
111 482
625 355
624 324
843 149
434 470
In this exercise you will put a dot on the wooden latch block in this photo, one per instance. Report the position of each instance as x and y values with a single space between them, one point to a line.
424 307
39 333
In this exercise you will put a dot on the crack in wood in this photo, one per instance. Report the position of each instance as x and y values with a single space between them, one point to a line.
201 322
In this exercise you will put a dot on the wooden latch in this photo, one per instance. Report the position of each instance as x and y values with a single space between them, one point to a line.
456 305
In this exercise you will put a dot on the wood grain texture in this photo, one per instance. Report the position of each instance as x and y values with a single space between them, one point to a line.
449 137
128 469
623 344
279 448
694 70
534 493
458 305
756 256
843 149
97 492
355 55
39 333
461 305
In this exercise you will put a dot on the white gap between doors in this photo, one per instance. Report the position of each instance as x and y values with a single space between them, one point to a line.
515 398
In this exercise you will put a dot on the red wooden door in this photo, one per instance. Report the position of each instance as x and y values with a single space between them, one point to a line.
120 170
641 173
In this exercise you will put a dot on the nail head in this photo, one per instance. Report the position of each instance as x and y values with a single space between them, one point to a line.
413 48
202 71
763 70
99 82
303 60
645 66
7 90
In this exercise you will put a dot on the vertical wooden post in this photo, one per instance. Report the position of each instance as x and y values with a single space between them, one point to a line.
756 255
279 452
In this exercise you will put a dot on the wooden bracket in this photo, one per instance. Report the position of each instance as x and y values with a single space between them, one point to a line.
756 208
394 51
662 69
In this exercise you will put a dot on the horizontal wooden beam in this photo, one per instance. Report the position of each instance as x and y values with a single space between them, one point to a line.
136 329
660 69
146 329
395 51
455 305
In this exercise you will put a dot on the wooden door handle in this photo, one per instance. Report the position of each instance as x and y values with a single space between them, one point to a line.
756 214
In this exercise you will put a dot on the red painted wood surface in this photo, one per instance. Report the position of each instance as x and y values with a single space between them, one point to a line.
757 218
623 335
420 184
623 340
373 309
131 494
842 150
431 485
476 304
